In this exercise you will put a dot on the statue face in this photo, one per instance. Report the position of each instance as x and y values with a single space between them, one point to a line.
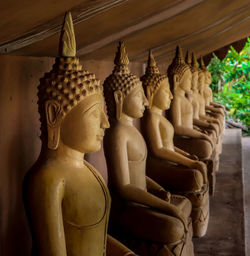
83 127
134 103
186 81
195 80
208 78
201 81
163 96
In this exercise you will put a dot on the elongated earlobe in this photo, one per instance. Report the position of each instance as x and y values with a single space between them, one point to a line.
53 118
176 82
149 96
118 95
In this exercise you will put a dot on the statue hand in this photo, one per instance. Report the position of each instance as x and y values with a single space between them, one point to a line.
163 194
193 157
206 137
202 168
175 212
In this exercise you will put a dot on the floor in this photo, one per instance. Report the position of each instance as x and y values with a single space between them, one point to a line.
225 235
246 182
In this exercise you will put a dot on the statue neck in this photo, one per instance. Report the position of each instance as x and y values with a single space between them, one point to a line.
63 154
179 91
126 120
155 110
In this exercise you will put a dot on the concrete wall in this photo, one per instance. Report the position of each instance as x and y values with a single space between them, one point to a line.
20 143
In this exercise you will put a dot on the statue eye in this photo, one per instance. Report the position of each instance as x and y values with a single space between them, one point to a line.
96 112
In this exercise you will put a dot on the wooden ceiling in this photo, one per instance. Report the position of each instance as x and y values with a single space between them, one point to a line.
31 28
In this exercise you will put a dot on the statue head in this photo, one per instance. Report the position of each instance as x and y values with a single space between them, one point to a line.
70 101
201 77
123 91
194 67
156 86
208 77
179 73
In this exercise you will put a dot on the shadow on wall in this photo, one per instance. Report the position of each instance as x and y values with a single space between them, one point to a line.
19 145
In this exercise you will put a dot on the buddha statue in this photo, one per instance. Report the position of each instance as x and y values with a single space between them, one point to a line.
59 186
187 137
202 105
198 123
144 215
212 108
171 167
181 110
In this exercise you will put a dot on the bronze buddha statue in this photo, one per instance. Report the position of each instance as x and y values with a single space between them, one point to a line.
59 186
147 217
171 167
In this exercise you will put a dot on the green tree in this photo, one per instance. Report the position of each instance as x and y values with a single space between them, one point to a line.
231 83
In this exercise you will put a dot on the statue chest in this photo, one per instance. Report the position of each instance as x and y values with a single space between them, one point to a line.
186 108
86 199
136 146
166 131
201 105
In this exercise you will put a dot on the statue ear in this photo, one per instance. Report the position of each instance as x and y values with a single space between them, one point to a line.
176 81
53 117
150 96
118 95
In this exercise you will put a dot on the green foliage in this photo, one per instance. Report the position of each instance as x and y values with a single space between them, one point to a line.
231 83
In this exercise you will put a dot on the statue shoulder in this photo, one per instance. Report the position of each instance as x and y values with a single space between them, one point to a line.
42 176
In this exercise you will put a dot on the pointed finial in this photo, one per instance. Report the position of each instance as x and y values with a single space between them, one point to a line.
121 57
188 58
151 59
194 61
151 67
178 54
67 44
202 63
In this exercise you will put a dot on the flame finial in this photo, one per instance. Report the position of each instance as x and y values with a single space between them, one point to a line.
151 67
203 67
67 44
194 61
121 57
188 58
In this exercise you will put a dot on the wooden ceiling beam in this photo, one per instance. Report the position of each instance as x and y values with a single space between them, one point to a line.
80 14
164 50
175 9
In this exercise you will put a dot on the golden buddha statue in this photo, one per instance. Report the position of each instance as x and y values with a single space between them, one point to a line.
58 187
181 111
147 217
181 114
212 108
194 96
171 167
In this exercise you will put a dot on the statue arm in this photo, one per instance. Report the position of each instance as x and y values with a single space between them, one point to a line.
214 109
46 217
130 192
179 129
211 119
155 141
216 104
115 248
205 124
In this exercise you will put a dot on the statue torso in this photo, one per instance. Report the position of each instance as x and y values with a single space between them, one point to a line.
136 152
201 100
186 110
166 129
85 206
208 95
195 104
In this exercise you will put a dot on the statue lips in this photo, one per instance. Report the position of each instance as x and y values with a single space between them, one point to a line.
100 136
